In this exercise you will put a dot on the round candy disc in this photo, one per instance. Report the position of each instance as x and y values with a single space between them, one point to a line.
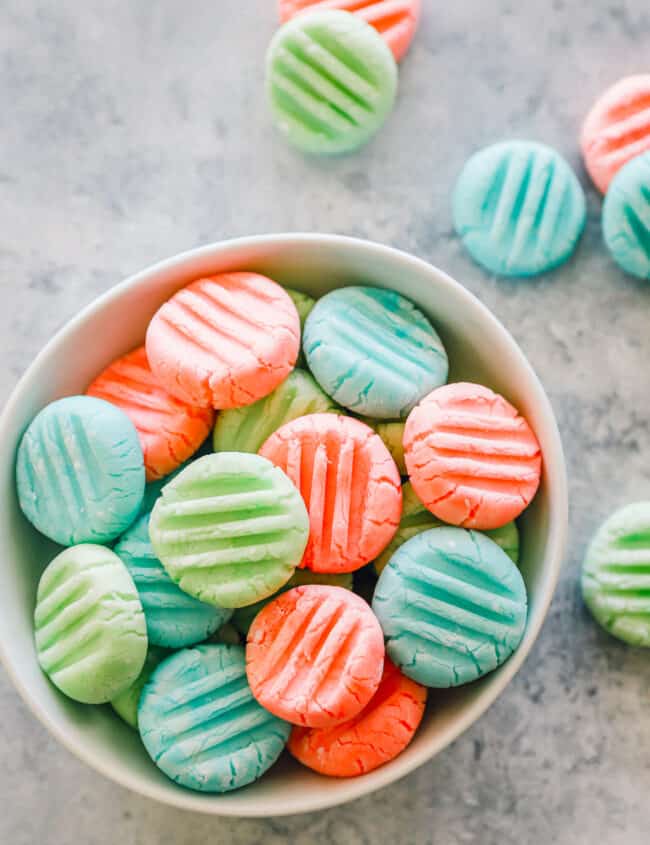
378 734
331 81
416 519
80 471
373 351
395 20
616 574
90 631
350 485
201 725
224 341
472 459
626 217
246 429
230 529
452 606
617 129
170 430
174 619
518 208
315 655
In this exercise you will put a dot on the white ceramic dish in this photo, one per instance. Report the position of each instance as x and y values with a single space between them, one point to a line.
479 348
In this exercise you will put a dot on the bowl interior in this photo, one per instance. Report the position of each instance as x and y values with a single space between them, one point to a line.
479 350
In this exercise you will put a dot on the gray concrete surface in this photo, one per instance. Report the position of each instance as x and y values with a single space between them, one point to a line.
130 131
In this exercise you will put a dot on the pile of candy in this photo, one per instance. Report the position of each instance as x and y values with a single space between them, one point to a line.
173 551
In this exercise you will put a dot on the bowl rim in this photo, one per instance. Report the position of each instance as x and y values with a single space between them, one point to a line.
554 555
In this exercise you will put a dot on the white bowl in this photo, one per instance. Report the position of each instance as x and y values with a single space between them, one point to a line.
480 350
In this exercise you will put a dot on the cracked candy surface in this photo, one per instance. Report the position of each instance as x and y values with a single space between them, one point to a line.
229 529
246 429
518 208
174 618
315 655
416 518
80 471
472 459
125 703
331 81
202 726
395 20
617 129
243 617
89 627
373 351
224 341
378 734
349 483
626 217
616 574
452 606
170 430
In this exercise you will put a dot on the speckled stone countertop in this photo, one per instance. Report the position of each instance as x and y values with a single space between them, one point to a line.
131 131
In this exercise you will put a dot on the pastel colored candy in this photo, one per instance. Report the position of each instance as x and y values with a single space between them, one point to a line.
416 518
616 574
315 655
174 618
331 82
246 429
392 433
507 538
349 483
617 129
224 341
90 631
201 725
303 302
230 529
377 735
373 351
472 459
126 703
626 217
80 471
169 429
395 20
518 208
452 606
243 617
